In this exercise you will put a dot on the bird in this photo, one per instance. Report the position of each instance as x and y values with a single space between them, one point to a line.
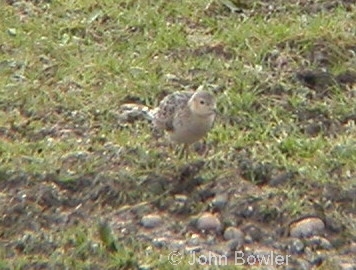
186 116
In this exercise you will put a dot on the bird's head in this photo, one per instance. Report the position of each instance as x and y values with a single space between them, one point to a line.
202 103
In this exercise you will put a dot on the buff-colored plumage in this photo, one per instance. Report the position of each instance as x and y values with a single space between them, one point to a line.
186 116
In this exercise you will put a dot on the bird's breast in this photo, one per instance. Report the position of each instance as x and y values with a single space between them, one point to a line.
191 129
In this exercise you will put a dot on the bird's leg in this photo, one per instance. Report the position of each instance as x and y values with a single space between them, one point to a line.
184 151
181 152
206 150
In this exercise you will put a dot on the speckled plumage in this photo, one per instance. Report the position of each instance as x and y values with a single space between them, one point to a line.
186 116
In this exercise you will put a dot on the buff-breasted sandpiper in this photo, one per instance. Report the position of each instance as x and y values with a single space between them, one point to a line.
186 116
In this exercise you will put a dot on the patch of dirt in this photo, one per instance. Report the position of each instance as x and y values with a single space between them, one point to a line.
302 53
305 64
272 8
219 50
44 202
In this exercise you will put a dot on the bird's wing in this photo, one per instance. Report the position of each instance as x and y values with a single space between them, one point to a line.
168 107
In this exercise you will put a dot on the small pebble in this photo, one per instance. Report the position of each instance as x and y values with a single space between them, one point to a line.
211 240
131 112
151 221
181 198
333 225
233 244
296 246
248 239
12 31
222 250
233 233
303 264
353 247
160 242
317 259
208 222
194 240
319 242
347 266
220 201
176 244
307 227
254 232
313 257
193 249
145 267
280 179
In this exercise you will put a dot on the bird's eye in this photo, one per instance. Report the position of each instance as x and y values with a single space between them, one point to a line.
202 102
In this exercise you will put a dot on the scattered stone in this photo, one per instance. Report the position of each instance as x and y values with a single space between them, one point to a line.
176 244
234 244
307 227
279 245
296 246
248 239
194 240
317 259
248 211
193 249
319 242
227 248
254 232
151 221
159 242
209 222
145 267
333 224
303 264
181 198
211 240
234 233
347 266
268 240
352 247
131 112
12 31
220 201
281 179
344 262
222 250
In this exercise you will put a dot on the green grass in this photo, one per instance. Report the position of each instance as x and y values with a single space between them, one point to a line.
67 66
